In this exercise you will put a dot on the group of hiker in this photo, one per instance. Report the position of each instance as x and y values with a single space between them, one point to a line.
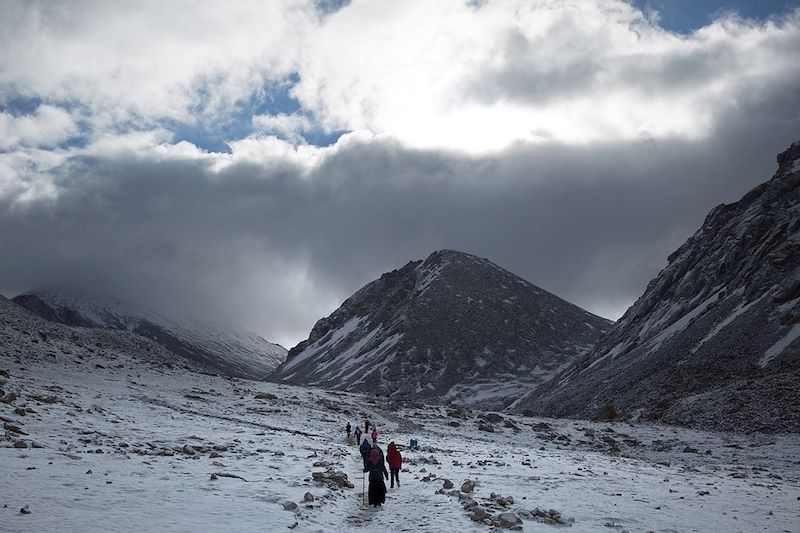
374 462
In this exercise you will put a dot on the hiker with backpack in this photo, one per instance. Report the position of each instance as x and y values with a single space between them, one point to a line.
377 473
349 429
365 449
374 435
395 461
358 435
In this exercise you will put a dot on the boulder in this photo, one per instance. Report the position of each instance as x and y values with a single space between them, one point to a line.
447 484
478 514
308 497
468 486
289 506
507 520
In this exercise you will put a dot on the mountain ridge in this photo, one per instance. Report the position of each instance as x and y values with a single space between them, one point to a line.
713 340
237 353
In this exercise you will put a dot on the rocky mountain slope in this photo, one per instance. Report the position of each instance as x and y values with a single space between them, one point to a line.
454 326
25 337
236 353
714 340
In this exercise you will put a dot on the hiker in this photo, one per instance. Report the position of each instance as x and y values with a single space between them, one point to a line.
366 427
374 435
377 473
365 448
395 461
349 429
358 435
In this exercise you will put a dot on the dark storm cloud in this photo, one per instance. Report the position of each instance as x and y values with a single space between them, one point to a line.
276 246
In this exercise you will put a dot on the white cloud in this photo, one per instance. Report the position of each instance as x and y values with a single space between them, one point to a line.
289 127
137 61
452 75
47 126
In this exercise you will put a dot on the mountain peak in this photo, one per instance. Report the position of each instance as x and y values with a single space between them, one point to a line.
444 327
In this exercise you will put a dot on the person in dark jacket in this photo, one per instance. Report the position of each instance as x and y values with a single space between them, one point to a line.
358 435
349 429
395 461
377 473
365 449
366 427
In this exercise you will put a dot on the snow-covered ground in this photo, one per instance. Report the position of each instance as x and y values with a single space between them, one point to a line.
131 447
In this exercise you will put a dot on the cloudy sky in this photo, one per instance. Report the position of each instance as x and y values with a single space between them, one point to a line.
262 161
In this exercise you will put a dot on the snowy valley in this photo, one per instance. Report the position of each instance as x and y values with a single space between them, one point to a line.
95 439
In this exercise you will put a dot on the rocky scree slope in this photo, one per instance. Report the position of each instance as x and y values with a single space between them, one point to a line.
451 327
25 337
714 341
234 353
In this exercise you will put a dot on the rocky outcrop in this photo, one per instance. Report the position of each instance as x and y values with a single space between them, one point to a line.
714 341
453 327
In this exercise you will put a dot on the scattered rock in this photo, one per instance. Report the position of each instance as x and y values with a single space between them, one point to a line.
308 497
20 444
265 396
25 510
447 484
289 506
468 486
41 398
507 520
478 514
217 475
333 478
9 398
14 429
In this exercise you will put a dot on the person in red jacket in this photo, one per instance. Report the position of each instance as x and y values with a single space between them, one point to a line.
395 461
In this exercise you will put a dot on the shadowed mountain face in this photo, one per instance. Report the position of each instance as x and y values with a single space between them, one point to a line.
453 326
235 353
715 339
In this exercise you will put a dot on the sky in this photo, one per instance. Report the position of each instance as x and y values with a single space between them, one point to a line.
260 162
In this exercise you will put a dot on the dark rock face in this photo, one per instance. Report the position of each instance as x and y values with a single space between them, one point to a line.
454 326
239 354
715 339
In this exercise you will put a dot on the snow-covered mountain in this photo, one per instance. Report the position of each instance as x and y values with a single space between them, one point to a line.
715 338
236 353
453 327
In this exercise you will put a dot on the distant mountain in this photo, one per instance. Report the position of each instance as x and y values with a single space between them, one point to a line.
453 327
30 339
714 341
236 353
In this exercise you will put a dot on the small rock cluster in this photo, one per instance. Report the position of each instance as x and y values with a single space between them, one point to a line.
333 478
551 517
495 511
